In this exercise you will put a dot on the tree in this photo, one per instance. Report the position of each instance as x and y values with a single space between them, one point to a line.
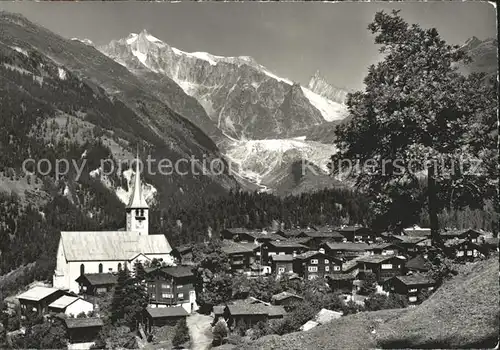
46 335
139 272
369 284
418 115
220 332
181 335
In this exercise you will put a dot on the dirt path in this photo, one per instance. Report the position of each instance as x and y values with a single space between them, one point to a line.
200 331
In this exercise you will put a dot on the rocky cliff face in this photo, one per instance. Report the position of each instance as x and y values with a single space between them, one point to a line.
242 98
319 85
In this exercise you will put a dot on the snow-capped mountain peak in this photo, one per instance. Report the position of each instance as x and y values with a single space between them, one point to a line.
322 87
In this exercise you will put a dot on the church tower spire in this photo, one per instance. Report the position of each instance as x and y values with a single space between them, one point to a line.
137 208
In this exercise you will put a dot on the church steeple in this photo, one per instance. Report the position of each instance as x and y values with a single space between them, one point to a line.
137 208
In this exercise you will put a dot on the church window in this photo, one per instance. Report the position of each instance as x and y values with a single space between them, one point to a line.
100 268
119 266
82 269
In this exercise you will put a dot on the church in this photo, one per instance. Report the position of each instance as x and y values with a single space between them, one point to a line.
86 252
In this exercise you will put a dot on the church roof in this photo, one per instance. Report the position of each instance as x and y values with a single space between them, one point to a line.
137 199
111 245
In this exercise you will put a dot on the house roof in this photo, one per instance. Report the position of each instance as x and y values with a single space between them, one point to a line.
282 257
350 228
111 245
178 271
455 242
161 312
64 302
219 309
417 263
415 279
38 293
276 310
348 246
376 259
409 239
341 276
285 295
184 248
99 279
312 253
262 235
248 309
287 244
230 247
83 322
323 234
382 245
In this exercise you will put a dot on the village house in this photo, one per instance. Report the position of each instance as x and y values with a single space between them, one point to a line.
462 249
257 237
383 266
342 282
286 299
82 332
241 255
385 249
315 238
38 299
183 255
314 264
412 245
469 234
269 249
410 286
162 316
96 283
71 305
282 264
172 286
250 314
81 252
234 234
417 264
357 233
346 251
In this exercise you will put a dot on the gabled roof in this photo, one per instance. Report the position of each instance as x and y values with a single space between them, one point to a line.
310 254
111 245
351 228
417 263
409 239
262 236
38 293
348 246
99 279
248 309
285 295
415 279
64 302
376 259
230 247
287 244
178 271
160 312
383 246
322 234
83 322
282 257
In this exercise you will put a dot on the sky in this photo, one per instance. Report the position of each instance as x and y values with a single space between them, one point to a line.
293 40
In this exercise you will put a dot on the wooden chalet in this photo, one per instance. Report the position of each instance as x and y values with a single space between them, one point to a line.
411 245
252 313
346 251
286 299
83 330
183 254
241 255
171 286
162 316
343 282
410 286
417 264
282 264
313 264
385 249
383 266
268 249
462 249
96 283
357 233
316 238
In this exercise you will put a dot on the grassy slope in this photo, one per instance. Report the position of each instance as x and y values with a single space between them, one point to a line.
463 313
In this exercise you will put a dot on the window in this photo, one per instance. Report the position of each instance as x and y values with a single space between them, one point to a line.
460 253
430 288
166 296
389 252
336 268
152 296
82 269
119 266
100 268
327 261
314 261
327 268
281 269
313 269
322 250
180 286
412 290
386 266
412 299
180 295
469 252
165 286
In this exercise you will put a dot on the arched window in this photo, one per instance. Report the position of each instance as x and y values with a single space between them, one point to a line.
119 266
82 269
100 268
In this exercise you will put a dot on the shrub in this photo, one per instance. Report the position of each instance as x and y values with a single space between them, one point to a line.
181 335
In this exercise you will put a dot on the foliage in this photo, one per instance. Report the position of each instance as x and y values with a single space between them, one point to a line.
378 301
181 335
129 300
440 267
220 332
46 335
369 284
212 273
418 114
